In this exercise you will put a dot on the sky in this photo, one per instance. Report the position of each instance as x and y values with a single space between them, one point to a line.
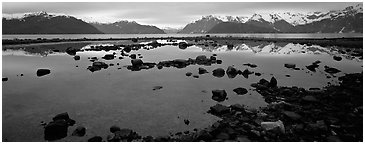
165 14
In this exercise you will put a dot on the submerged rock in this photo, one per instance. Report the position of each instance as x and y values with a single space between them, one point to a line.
219 95
331 70
250 65
240 91
219 72
79 131
42 72
157 87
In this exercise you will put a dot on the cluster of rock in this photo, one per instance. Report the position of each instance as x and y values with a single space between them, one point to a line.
58 128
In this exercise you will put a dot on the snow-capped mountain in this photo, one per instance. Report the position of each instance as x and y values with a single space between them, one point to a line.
347 20
44 23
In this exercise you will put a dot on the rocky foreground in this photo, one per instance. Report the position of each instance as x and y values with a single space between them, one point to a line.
333 114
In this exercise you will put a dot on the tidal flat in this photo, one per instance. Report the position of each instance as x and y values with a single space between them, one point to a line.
183 89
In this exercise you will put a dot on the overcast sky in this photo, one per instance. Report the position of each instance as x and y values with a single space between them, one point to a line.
163 14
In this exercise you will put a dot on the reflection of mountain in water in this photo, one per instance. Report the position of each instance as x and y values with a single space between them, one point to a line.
272 48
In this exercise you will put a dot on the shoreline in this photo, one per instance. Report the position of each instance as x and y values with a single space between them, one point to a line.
343 42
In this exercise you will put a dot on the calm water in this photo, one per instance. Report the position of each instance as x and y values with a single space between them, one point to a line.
121 97
106 36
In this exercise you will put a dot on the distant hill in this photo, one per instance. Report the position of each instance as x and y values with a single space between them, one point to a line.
126 27
43 23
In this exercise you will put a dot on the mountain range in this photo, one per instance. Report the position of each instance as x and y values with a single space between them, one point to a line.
348 20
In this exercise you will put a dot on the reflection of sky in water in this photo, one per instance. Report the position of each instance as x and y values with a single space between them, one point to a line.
121 97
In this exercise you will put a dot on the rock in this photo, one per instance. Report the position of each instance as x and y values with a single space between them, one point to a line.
42 72
79 131
331 70
136 62
337 58
108 57
219 61
202 70
258 74
61 116
114 129
189 74
289 65
246 73
292 115
95 139
180 63
264 82
127 49
237 107
242 139
219 72
219 95
134 40
183 45
213 58
55 130
5 79
273 82
77 57
157 87
240 91
125 135
71 51
196 76
231 72
268 126
250 65
133 56
219 109
204 135
97 66
186 121
222 136
309 99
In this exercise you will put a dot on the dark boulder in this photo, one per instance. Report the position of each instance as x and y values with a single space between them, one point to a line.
231 72
133 56
202 70
219 72
219 61
337 58
157 87
136 62
289 65
246 73
219 109
180 63
79 131
5 79
108 57
96 66
186 121
240 91
61 116
189 74
127 49
77 57
42 72
71 51
183 45
219 95
114 129
273 82
95 139
55 130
